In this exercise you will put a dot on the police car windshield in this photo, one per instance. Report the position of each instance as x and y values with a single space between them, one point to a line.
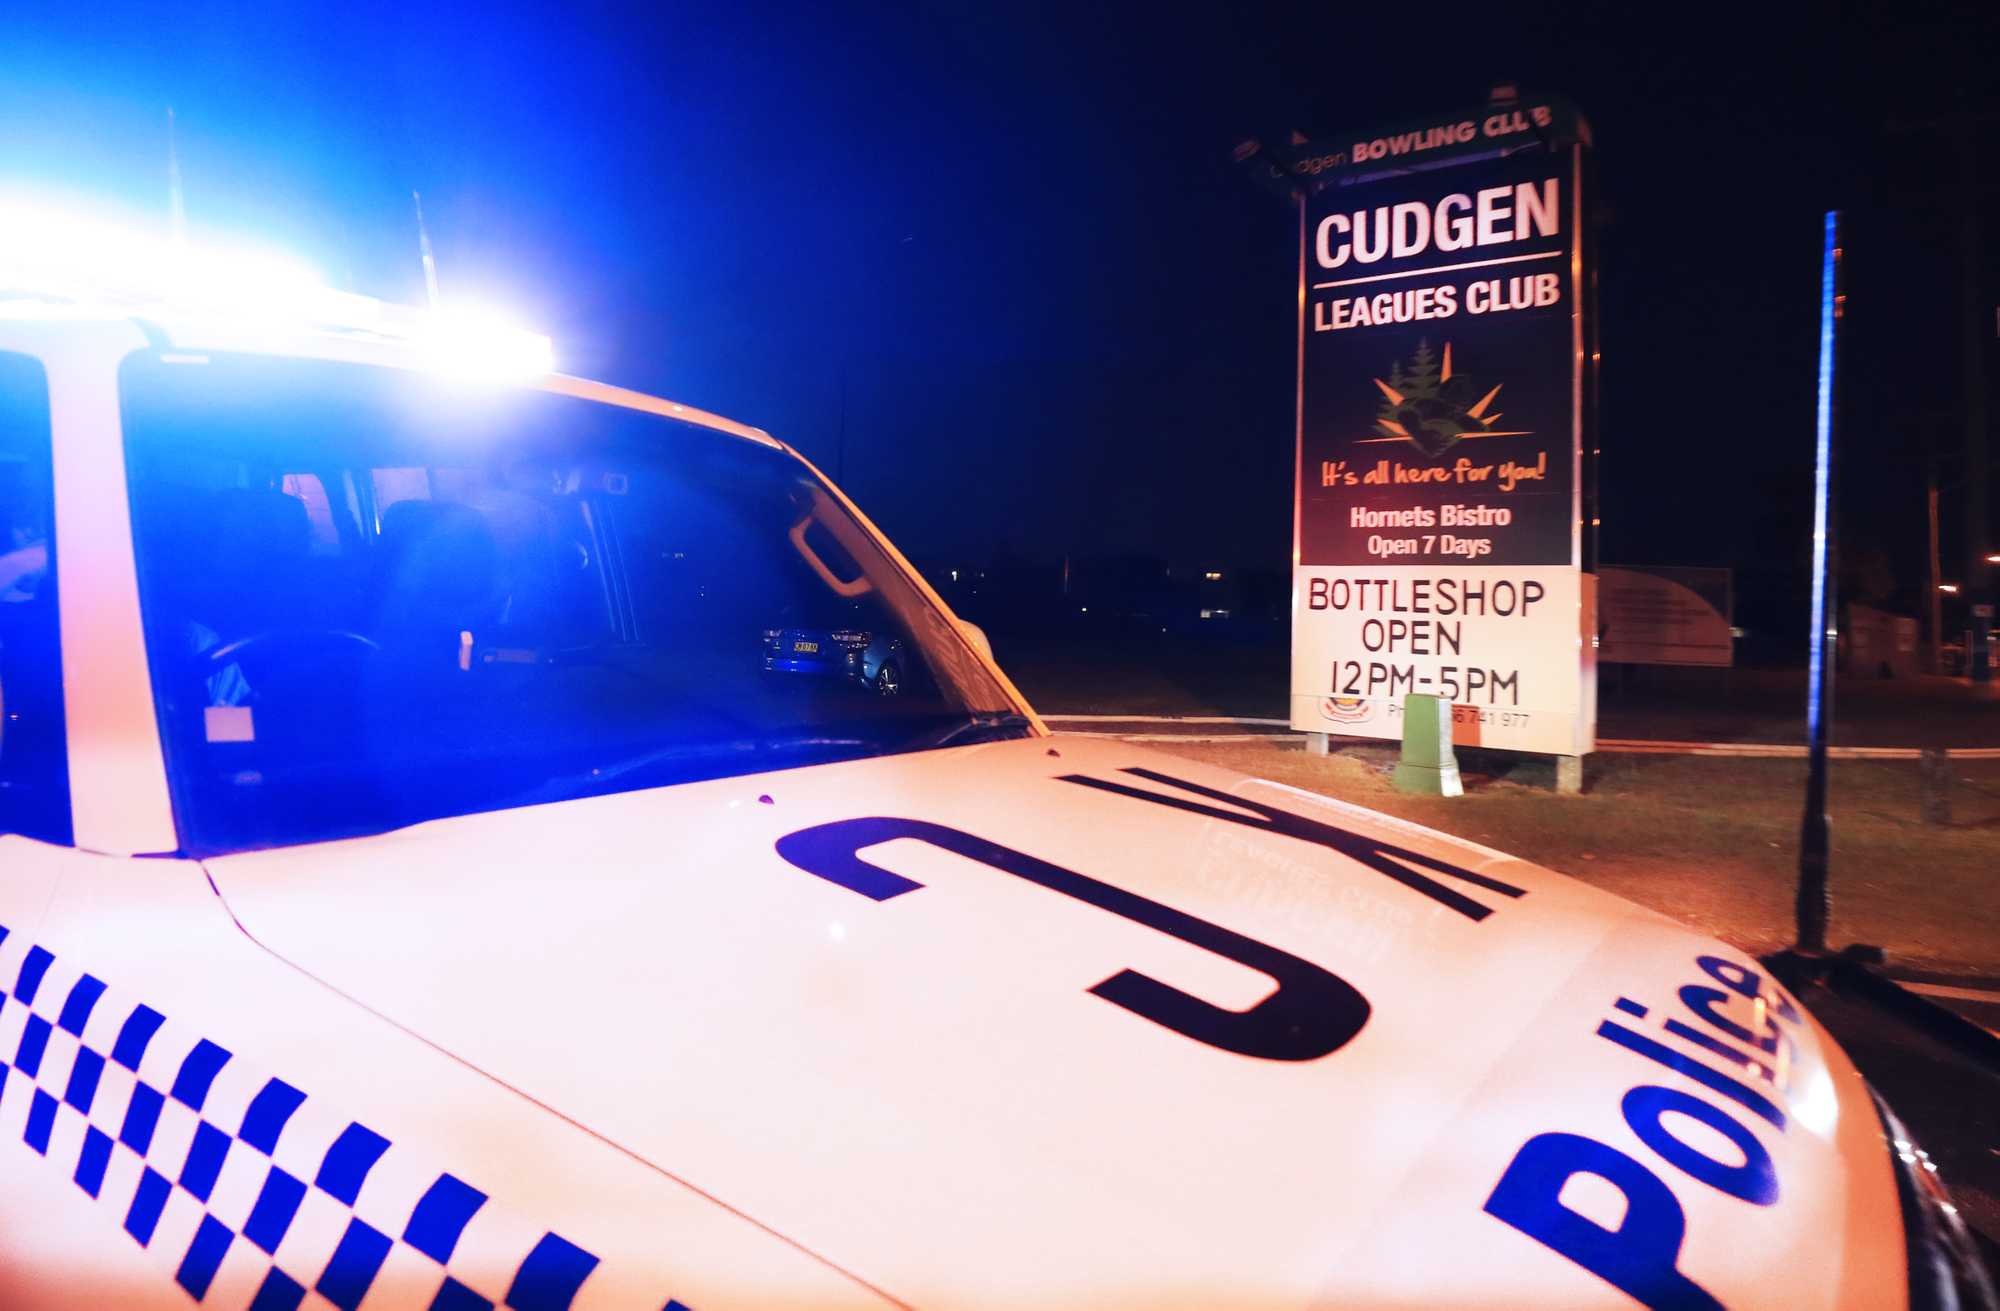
373 598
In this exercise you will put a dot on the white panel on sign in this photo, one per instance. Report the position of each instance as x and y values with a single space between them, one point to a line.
1480 636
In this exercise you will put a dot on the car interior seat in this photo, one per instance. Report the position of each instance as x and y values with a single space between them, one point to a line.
438 577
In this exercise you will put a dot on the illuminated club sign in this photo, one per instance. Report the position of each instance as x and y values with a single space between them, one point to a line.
1445 393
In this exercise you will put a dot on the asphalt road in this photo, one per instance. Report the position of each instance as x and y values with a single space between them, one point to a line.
1977 1000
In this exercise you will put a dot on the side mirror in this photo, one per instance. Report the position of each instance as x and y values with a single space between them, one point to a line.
977 636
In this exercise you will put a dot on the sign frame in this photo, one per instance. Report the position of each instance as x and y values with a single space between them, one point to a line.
1562 134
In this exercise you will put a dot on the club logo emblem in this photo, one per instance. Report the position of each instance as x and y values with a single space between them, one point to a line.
1345 709
1432 408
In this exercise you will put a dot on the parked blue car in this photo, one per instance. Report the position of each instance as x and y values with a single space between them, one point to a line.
872 659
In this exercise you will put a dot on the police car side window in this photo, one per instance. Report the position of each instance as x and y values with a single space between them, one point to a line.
34 765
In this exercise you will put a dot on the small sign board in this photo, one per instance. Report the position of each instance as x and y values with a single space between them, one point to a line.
1665 615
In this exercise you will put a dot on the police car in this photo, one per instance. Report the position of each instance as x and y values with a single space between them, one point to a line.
401 906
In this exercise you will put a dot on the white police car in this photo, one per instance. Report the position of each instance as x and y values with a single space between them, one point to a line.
407 899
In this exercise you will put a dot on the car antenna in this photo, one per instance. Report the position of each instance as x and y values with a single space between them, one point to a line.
176 201
1812 902
424 249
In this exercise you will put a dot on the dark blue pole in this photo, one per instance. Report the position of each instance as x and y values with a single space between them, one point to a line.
1812 900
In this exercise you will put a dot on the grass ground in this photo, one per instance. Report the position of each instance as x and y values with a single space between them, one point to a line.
1714 842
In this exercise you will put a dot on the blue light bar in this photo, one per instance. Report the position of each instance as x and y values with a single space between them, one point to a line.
53 257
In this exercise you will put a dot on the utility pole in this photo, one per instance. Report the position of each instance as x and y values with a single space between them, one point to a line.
1960 130
1978 535
1937 580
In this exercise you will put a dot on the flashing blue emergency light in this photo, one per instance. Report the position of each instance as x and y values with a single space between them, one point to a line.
51 258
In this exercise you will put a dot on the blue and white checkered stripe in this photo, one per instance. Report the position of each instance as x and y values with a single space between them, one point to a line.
268 1198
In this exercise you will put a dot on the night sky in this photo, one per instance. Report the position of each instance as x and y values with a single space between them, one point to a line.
1006 254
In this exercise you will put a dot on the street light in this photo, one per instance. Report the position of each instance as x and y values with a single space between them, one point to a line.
1994 558
1948 587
